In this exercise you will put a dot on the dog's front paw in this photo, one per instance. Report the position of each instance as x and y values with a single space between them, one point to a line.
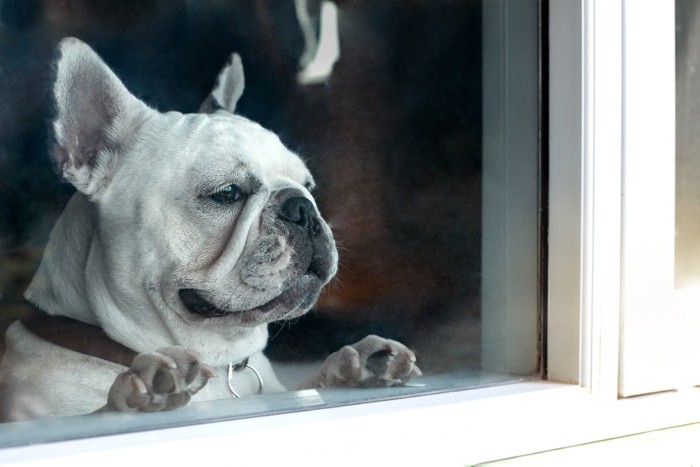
371 362
162 380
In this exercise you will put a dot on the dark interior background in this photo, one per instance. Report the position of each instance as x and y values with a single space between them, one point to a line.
393 139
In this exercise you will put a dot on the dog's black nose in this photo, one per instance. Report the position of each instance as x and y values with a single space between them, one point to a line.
300 211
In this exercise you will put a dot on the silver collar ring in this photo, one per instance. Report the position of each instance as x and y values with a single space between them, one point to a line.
237 368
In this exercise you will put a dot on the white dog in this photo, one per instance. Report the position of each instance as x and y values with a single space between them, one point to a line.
187 235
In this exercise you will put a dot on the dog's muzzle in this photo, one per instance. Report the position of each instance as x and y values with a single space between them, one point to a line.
303 221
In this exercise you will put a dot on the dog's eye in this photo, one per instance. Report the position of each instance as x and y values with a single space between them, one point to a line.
227 195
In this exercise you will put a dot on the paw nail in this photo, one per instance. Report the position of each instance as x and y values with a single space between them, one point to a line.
206 371
138 385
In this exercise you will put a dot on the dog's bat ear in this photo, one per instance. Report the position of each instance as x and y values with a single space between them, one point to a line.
228 88
92 110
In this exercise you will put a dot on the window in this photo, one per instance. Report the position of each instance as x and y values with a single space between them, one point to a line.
424 142
612 275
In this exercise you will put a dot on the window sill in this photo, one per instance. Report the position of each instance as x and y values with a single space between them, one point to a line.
456 428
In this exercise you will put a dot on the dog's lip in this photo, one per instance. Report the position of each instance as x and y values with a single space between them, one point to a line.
195 302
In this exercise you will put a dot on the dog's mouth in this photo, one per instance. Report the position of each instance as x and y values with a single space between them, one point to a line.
301 294
195 303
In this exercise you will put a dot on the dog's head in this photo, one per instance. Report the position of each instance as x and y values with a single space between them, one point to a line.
205 219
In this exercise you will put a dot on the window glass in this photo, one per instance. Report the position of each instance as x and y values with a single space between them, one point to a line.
418 120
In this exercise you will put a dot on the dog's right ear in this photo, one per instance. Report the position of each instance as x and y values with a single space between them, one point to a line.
228 88
94 114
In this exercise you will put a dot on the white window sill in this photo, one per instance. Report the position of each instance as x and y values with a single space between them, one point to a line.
457 428
669 447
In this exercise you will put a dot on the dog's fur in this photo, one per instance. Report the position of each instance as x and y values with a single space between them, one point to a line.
187 230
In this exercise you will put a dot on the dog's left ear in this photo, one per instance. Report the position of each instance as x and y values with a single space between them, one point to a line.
228 88
95 117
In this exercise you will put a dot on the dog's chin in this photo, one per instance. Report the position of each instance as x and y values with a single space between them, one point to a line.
294 301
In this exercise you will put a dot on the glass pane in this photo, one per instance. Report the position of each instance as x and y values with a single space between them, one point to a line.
422 139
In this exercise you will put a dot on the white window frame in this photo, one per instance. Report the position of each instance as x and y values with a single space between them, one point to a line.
587 106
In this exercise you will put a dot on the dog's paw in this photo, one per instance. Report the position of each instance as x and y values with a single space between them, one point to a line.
162 380
371 362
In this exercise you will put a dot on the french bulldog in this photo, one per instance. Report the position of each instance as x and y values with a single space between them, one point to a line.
187 235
